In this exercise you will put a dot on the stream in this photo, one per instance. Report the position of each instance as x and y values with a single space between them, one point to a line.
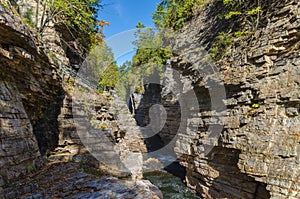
170 185
168 180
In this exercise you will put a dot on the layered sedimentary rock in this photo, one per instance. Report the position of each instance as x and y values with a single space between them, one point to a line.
101 125
256 123
37 119
76 183
257 154
30 99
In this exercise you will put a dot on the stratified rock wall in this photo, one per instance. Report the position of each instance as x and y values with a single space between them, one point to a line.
19 149
76 183
258 152
98 130
41 116
30 99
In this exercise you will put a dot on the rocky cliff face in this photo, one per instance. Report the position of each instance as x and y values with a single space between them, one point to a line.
258 150
257 155
37 120
76 183
30 99
101 125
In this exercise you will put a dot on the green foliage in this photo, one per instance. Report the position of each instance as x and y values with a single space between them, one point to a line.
101 90
232 13
28 17
31 168
5 4
130 79
98 60
238 33
139 89
254 11
174 13
231 2
101 68
242 33
151 55
140 25
71 81
248 11
126 79
245 13
109 78
223 41
103 126
149 48
255 105
76 15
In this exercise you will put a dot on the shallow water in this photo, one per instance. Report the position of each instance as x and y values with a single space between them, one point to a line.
170 185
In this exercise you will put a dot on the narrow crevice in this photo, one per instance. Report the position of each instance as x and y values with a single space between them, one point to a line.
230 180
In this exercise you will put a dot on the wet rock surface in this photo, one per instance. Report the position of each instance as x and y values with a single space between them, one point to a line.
68 180
171 186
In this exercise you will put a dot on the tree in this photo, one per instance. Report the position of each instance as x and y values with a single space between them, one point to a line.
128 81
97 62
110 77
101 67
174 13
150 48
149 59
125 67
77 16
140 25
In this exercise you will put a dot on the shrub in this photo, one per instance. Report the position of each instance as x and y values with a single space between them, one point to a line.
223 41
174 13
31 168
103 126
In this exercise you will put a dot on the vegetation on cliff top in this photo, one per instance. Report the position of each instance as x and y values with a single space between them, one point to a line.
151 51
76 17
174 13
76 21
244 17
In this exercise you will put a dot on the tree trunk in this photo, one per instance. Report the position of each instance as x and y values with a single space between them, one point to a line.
37 13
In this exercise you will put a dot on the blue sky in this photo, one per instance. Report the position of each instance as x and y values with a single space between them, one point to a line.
123 15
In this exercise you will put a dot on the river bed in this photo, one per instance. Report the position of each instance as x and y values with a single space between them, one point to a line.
170 185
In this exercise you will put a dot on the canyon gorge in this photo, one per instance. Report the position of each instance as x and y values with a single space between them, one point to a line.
232 124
